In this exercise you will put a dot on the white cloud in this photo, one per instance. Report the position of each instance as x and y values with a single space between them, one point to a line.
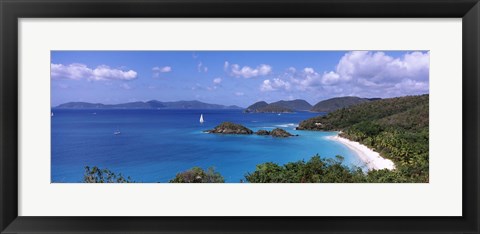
413 85
307 79
248 72
217 80
162 69
330 77
106 73
239 94
364 73
225 65
77 71
275 84
377 67
74 71
157 70
309 70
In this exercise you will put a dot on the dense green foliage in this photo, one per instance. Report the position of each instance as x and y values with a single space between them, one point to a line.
319 170
334 104
198 175
194 175
96 175
316 170
397 128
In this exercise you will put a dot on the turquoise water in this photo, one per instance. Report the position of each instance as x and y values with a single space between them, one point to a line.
154 145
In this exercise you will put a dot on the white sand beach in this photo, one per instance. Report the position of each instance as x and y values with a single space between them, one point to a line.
372 159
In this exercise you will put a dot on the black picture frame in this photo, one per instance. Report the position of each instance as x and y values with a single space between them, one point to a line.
12 10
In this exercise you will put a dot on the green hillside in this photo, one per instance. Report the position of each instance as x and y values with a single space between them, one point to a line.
297 104
279 107
334 104
272 108
255 106
397 128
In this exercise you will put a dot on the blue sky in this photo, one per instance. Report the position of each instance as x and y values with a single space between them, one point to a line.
235 77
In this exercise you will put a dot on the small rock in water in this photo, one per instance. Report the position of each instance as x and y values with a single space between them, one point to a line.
230 128
278 132
263 132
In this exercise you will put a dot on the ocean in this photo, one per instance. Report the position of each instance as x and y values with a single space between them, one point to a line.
154 145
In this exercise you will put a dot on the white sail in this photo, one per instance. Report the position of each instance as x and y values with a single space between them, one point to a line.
201 118
52 114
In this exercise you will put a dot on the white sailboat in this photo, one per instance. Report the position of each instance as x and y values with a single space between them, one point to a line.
52 114
201 118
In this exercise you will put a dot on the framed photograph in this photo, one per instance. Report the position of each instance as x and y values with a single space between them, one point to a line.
227 116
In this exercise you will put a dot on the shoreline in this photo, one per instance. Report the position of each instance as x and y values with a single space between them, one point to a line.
372 159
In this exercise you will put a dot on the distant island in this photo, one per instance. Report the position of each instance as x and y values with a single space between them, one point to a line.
279 107
269 108
153 104
328 105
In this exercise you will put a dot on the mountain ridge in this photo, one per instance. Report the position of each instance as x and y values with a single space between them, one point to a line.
152 104
327 105
337 103
297 104
281 106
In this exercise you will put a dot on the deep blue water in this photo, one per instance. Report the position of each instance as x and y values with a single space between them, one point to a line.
154 145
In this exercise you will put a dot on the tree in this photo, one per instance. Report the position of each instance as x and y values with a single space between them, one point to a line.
198 175
316 170
96 175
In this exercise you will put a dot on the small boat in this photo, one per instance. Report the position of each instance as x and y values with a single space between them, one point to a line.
52 114
201 118
279 114
117 132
